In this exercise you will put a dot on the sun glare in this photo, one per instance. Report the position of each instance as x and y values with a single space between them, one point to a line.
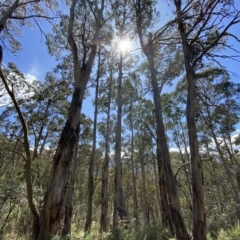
123 45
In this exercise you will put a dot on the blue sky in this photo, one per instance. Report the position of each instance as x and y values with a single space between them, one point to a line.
34 59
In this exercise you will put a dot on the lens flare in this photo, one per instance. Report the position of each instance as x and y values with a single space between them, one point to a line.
123 45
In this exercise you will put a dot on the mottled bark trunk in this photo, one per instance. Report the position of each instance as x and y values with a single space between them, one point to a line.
120 200
174 204
199 220
54 198
68 205
92 161
104 189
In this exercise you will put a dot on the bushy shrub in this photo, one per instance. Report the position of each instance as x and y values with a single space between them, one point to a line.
230 234
152 233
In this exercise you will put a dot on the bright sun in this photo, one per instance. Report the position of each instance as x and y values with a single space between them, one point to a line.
123 45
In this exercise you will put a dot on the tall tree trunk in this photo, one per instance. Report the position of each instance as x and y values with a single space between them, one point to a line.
52 209
165 211
199 220
174 204
135 203
120 200
104 189
145 202
54 198
93 154
69 193
163 154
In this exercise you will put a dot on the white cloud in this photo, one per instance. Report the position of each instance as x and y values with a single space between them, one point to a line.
30 78
34 71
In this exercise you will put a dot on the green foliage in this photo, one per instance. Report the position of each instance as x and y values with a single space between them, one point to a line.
233 233
120 233
152 233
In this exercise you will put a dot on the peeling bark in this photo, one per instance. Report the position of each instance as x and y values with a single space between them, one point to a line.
54 198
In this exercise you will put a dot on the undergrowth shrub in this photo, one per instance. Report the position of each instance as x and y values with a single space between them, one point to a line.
232 233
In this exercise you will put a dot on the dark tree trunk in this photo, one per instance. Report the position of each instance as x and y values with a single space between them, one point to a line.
69 194
54 198
104 189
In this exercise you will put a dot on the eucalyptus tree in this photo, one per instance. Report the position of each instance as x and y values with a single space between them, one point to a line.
122 21
172 215
83 55
93 153
131 94
106 93
39 109
140 121
76 174
102 66
201 31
